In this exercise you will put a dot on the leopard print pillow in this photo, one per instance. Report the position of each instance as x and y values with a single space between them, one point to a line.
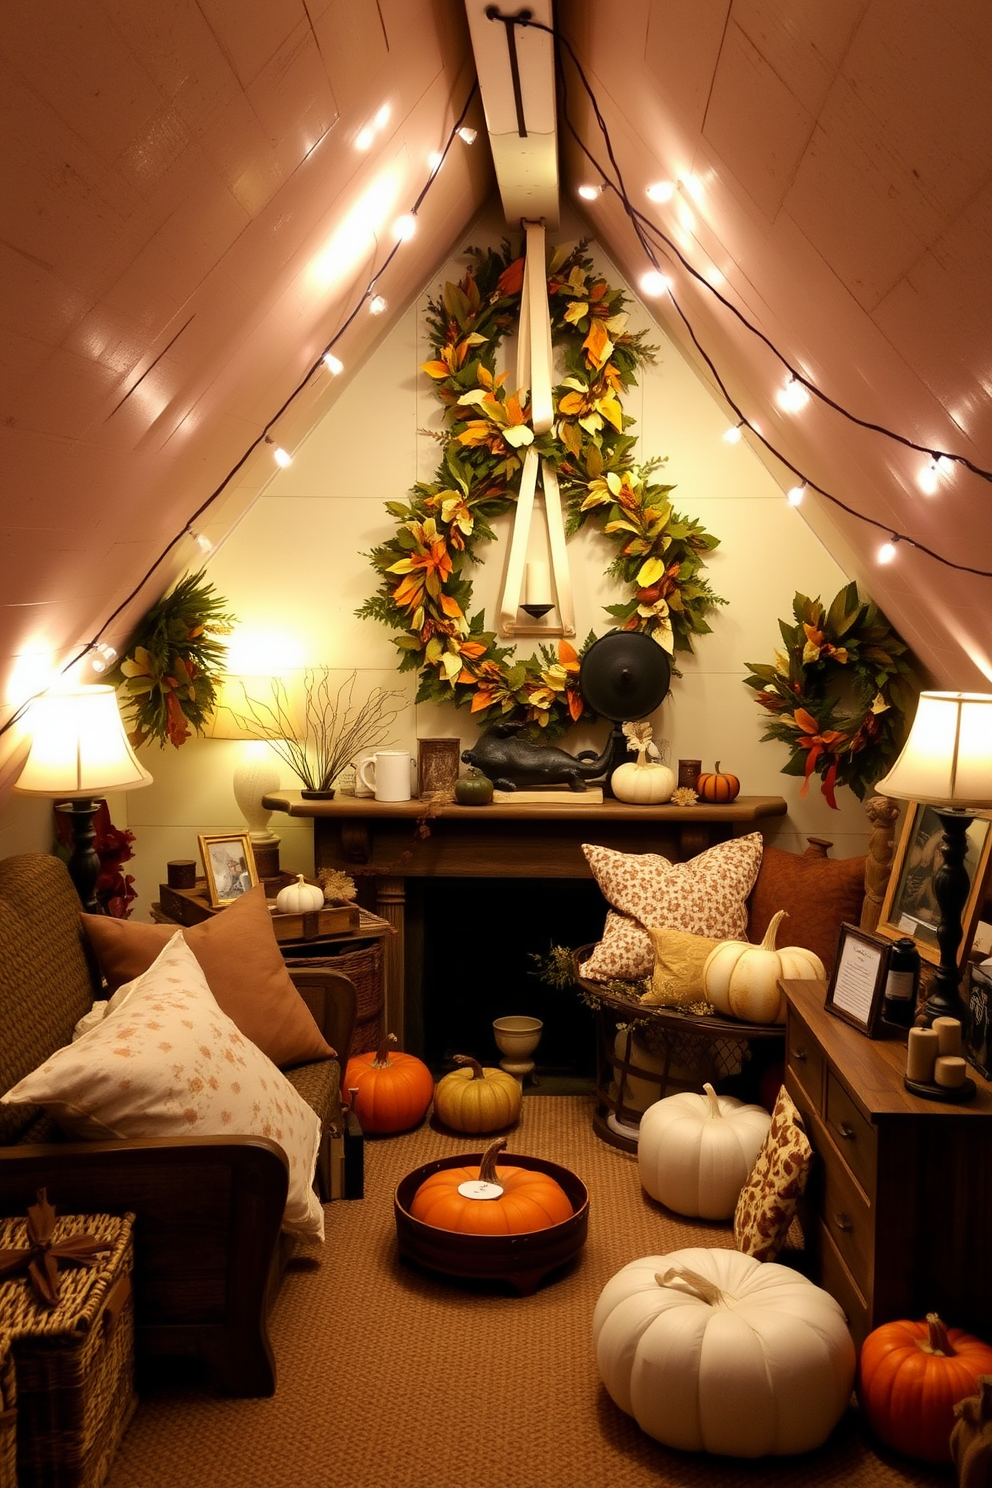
768 1200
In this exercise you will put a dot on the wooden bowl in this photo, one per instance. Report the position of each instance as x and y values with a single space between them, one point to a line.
522 1261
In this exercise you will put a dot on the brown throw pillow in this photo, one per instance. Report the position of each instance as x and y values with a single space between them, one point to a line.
768 1199
818 894
240 957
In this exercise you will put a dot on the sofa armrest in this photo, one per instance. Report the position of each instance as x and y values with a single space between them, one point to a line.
208 1213
331 998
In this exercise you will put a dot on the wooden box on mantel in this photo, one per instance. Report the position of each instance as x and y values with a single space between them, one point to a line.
192 906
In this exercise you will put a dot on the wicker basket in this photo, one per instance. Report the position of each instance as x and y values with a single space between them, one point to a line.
362 962
8 1416
74 1364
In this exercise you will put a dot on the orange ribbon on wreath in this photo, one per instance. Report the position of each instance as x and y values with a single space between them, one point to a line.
818 746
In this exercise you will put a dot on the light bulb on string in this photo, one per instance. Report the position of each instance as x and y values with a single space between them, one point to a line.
377 305
654 283
928 479
792 396
202 540
404 227
734 434
103 657
795 495
887 551
590 192
468 135
333 364
280 456
660 191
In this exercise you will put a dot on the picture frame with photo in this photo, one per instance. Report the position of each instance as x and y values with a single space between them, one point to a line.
857 983
978 1032
909 907
229 866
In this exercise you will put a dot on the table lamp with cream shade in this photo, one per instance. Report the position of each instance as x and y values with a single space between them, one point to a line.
79 751
946 763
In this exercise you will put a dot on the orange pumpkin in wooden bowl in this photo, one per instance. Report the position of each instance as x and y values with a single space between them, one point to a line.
471 1217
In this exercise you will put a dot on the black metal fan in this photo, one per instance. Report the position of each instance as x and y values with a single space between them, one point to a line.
624 676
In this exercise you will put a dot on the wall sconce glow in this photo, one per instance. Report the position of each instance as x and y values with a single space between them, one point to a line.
333 364
262 652
660 191
792 397
734 434
381 119
590 192
468 135
404 227
377 305
692 186
795 495
654 284
887 551
33 671
435 160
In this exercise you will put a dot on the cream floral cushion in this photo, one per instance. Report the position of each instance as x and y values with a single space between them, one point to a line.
167 1062
705 896
775 1185
679 958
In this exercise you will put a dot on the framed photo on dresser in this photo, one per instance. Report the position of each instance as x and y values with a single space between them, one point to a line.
910 905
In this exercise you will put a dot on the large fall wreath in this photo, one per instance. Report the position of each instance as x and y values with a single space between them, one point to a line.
839 694
424 591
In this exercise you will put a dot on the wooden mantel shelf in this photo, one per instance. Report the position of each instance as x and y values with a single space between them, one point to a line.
391 842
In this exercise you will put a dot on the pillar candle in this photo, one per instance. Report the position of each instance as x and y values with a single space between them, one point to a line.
949 1070
948 1032
921 1052
537 583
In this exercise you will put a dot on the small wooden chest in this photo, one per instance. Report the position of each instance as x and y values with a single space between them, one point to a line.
73 1365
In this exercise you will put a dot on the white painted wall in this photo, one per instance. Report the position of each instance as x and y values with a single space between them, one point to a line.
293 568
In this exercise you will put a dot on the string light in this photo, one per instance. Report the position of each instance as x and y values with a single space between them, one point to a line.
467 134
794 496
377 305
928 479
735 433
887 551
103 656
278 453
404 227
654 284
589 192
202 541
333 364
793 396
660 191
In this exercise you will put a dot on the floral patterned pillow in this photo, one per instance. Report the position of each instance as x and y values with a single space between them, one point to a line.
768 1200
169 1063
705 896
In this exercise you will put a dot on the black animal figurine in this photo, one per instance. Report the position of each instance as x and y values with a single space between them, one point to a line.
511 762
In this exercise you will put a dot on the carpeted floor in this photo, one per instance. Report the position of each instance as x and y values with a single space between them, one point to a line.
391 1378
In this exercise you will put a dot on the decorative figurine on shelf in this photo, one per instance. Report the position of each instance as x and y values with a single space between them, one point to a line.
512 762
642 782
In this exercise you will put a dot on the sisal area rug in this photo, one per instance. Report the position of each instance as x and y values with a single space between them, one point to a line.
391 1378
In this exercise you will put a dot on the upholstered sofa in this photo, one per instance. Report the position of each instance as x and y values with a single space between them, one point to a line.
209 1241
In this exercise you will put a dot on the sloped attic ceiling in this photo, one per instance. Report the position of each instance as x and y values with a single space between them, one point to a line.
191 218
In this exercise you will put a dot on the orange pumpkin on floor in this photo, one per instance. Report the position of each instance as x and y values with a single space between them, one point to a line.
718 788
911 1375
389 1091
528 1199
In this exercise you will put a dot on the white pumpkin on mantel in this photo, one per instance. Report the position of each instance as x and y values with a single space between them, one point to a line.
695 1152
641 782
300 897
713 1351
741 980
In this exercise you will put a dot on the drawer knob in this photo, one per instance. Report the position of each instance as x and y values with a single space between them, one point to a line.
846 1130
799 1053
842 1222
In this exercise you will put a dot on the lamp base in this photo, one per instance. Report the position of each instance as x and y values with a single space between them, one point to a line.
84 863
951 887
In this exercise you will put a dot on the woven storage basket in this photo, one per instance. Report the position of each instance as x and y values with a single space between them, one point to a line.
74 1364
8 1416
363 964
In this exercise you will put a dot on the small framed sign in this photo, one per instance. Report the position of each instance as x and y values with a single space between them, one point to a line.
857 984
229 864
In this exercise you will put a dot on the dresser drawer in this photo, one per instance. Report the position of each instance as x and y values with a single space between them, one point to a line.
853 1136
804 1057
846 1216
834 1277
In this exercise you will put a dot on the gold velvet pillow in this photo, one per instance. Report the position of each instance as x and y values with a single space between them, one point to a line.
775 1185
679 958
241 960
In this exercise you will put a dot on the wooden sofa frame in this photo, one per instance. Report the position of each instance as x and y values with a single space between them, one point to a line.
209 1251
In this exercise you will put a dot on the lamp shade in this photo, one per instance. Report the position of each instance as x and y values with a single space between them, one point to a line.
78 746
947 759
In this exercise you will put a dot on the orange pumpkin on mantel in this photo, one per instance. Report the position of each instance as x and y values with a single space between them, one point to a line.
389 1091
486 1200
910 1377
719 788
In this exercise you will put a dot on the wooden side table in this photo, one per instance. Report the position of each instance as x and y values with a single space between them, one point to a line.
897 1213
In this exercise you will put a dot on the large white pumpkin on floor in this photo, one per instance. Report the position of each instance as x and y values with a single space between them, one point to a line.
713 1351
741 980
695 1151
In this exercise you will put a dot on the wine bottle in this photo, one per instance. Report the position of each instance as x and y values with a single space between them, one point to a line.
901 983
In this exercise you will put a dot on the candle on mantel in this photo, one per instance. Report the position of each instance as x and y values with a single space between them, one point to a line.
921 1053
949 1071
537 583
948 1031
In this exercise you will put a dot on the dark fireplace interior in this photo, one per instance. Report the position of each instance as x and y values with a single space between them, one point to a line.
480 938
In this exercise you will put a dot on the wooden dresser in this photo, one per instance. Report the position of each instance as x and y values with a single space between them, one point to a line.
897 1216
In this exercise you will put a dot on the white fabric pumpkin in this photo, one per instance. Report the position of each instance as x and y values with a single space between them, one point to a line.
299 897
695 1151
642 783
727 1354
741 980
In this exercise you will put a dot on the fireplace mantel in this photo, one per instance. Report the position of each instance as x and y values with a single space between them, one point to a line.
388 842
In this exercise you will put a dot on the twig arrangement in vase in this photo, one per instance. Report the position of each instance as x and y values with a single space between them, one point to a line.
321 732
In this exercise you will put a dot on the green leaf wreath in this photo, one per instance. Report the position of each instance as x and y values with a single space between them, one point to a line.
424 591
838 696
174 664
